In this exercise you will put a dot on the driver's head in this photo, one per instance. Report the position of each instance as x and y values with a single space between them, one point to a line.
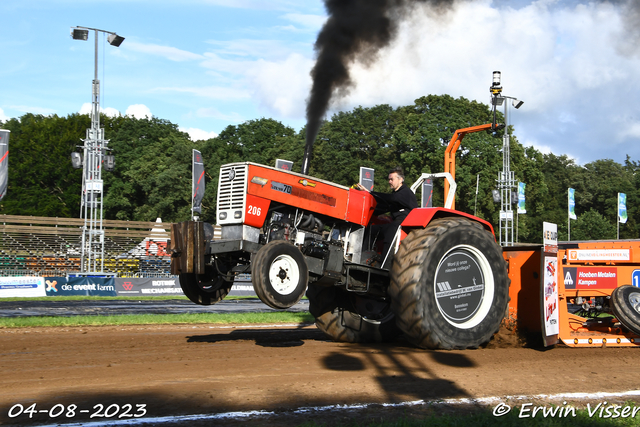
396 178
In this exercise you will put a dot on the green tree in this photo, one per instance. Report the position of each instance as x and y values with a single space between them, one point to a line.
42 181
152 178
259 141
354 139
591 225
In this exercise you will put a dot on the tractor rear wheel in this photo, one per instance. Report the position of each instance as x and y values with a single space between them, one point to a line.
625 303
348 317
449 285
205 289
279 274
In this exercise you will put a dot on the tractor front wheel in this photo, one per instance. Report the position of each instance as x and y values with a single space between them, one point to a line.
279 274
449 285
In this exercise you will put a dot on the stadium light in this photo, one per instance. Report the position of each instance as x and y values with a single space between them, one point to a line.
91 160
115 40
517 103
79 34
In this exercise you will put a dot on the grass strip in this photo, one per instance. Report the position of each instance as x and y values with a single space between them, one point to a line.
485 418
157 319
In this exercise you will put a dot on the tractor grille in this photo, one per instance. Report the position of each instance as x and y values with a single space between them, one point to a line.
232 188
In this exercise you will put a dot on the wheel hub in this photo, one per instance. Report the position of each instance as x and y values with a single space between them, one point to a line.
284 274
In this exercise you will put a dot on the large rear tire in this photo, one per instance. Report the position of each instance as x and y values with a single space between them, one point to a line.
625 303
279 274
348 317
449 285
205 289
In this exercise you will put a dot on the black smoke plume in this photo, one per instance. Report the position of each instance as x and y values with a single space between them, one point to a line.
355 31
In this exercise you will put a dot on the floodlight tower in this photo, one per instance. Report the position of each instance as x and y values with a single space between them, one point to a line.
506 179
94 153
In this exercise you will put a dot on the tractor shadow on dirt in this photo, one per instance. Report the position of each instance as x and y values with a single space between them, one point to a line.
403 372
264 337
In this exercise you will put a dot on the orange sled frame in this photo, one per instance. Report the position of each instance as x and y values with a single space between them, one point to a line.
588 272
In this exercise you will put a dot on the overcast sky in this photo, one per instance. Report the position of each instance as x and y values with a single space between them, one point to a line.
206 64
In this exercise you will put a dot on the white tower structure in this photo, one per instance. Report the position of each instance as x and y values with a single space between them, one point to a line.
94 156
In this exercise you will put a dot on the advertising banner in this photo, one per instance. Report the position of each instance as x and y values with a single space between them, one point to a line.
590 277
4 162
622 208
89 286
572 204
284 164
602 255
147 286
521 205
242 286
21 287
366 177
197 181
549 288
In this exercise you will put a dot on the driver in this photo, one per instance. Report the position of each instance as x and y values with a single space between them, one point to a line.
398 203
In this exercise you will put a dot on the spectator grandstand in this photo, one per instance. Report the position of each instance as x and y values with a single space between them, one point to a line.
45 247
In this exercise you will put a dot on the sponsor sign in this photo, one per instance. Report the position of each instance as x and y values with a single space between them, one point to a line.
459 287
91 286
549 288
242 286
19 287
550 237
590 277
147 286
599 254
550 299
366 177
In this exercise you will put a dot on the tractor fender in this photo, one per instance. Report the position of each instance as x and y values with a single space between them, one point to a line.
421 217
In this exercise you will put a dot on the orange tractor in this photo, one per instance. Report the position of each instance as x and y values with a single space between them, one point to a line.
448 285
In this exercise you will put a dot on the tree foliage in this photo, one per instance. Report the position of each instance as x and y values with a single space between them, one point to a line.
153 165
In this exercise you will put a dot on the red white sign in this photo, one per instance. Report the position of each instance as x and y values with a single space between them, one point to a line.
599 278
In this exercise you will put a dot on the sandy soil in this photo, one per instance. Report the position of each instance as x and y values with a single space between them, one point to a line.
210 369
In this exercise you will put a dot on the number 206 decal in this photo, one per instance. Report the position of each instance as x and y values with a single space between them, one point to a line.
254 210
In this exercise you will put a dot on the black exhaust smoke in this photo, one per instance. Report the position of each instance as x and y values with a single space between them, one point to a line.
355 31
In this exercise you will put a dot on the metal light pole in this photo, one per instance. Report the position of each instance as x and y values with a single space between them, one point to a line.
94 152
506 179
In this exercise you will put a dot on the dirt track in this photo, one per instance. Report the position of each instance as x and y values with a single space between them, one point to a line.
206 369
